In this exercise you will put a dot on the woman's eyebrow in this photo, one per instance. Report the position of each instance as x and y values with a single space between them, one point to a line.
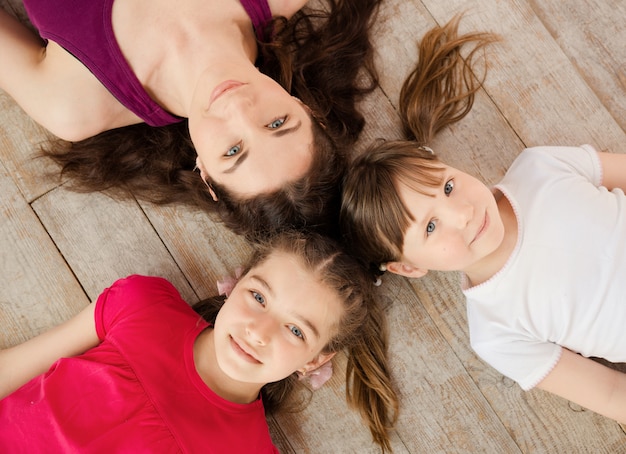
283 131
280 133
242 157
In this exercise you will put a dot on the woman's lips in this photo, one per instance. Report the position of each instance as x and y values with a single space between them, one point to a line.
223 88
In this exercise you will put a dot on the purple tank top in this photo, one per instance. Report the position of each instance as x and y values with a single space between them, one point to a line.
84 28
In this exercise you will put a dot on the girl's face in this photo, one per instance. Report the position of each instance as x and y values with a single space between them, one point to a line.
251 136
277 320
457 228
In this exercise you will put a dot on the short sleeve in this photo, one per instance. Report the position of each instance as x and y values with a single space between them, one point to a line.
582 161
129 297
527 362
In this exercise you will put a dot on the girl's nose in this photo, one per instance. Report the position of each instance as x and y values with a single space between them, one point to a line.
467 214
260 330
461 214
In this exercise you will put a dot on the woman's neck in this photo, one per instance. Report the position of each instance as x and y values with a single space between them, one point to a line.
221 384
169 45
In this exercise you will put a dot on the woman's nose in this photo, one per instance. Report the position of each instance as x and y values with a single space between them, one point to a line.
242 105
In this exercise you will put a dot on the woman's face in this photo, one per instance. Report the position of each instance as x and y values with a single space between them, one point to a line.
251 136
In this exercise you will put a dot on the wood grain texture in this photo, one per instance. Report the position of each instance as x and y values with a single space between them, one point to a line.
556 77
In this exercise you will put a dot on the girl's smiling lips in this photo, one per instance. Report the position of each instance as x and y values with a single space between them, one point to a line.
243 351
482 228
223 88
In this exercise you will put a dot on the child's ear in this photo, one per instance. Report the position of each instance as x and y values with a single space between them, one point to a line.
317 362
404 269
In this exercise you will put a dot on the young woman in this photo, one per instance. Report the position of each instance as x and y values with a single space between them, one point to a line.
541 254
267 157
140 371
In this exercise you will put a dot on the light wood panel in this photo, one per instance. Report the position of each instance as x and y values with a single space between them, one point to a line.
37 288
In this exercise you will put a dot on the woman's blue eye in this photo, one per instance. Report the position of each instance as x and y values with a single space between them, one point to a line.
276 123
232 151
258 297
448 187
430 227
296 332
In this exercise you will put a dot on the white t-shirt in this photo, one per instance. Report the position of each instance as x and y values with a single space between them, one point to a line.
565 282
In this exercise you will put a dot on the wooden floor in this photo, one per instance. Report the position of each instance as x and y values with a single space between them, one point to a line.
558 77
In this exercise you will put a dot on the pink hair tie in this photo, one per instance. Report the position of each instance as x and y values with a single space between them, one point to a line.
227 283
317 377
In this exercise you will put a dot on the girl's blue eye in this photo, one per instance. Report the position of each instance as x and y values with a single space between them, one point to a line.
276 123
430 227
296 332
448 187
258 297
232 151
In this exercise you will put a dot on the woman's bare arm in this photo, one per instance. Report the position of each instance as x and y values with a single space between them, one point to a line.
53 87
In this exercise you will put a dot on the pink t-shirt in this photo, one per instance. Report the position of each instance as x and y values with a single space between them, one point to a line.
137 391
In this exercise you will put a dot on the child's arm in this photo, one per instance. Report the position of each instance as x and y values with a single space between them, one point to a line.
23 362
613 170
589 384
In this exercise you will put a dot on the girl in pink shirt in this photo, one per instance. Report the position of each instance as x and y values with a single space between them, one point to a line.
140 370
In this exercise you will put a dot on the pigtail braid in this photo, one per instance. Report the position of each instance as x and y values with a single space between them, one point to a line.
368 379
440 89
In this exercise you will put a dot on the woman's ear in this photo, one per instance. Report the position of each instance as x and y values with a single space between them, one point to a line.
212 192
404 269
208 185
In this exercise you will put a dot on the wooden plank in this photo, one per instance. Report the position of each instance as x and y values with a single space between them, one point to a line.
20 140
483 143
103 239
204 250
591 33
531 79
442 408
37 289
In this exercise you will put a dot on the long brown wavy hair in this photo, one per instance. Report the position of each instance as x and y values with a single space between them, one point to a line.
316 56
438 92
361 332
